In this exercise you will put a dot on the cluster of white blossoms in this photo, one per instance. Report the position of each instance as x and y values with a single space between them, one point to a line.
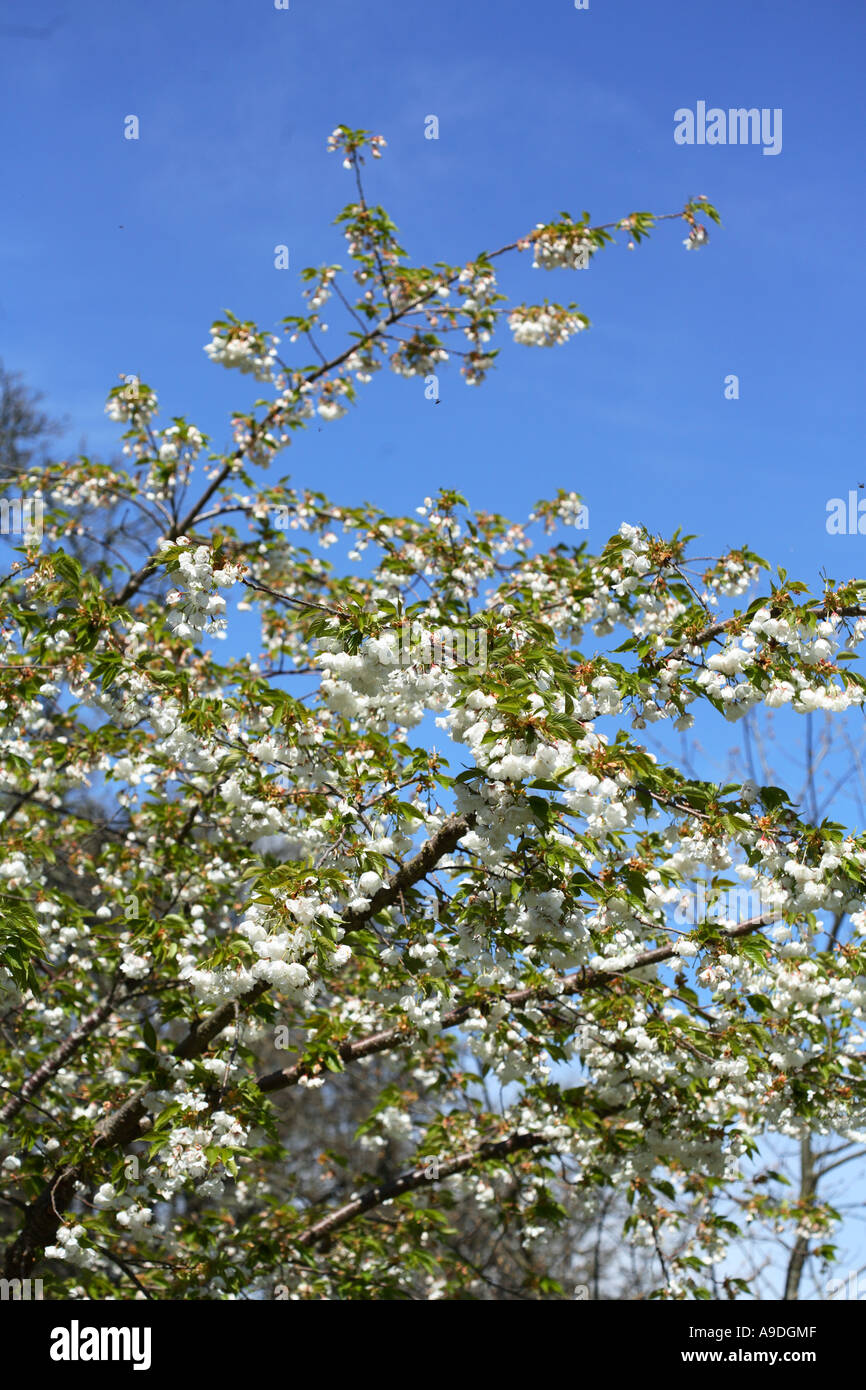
544 325
328 402
280 952
197 606
476 286
735 577
560 248
16 872
68 1247
337 140
133 403
177 438
805 644
392 1124
240 346
809 644
363 363
319 292
570 510
697 237
416 358
185 1159
374 686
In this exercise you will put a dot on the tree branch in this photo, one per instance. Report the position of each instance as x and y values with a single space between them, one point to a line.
547 995
417 1177
61 1054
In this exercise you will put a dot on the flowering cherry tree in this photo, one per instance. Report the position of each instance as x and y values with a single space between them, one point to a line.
227 885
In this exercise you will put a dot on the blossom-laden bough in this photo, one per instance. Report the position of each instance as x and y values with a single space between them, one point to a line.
205 865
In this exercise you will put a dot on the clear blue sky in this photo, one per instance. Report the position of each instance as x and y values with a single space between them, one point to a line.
542 107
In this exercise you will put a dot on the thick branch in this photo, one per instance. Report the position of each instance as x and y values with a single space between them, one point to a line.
800 1252
445 841
823 610
59 1056
547 995
418 1177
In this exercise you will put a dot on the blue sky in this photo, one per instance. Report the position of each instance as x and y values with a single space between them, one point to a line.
118 254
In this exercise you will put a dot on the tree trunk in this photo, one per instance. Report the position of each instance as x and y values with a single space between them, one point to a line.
800 1252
